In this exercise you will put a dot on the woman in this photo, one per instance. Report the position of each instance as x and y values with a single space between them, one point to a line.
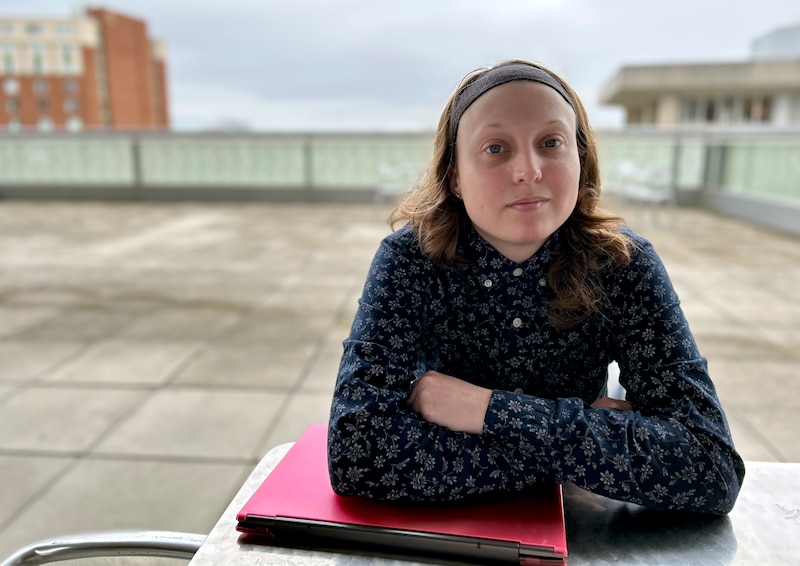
477 360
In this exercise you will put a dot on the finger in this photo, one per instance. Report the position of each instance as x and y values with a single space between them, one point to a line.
610 403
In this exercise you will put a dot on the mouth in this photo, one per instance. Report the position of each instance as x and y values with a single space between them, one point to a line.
529 203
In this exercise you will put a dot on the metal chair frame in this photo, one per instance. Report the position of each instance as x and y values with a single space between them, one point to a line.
165 544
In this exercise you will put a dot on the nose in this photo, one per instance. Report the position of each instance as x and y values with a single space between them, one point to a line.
527 167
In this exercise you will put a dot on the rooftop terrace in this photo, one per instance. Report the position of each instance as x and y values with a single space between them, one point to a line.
153 352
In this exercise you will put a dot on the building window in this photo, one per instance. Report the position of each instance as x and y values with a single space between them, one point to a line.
70 106
45 124
688 110
74 124
14 125
11 87
12 105
43 105
68 58
763 110
40 86
795 110
6 27
747 109
726 110
37 58
711 110
71 86
8 58
64 29
33 28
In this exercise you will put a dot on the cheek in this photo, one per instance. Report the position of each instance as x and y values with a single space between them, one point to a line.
568 177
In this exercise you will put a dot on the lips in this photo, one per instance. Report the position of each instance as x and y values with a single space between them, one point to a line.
529 203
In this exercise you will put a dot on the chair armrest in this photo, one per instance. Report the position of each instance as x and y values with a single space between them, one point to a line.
110 543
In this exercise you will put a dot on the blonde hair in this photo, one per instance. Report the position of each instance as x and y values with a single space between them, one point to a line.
592 240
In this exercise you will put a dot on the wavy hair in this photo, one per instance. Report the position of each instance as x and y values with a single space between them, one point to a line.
592 240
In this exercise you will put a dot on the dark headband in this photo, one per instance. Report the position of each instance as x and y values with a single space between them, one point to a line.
497 76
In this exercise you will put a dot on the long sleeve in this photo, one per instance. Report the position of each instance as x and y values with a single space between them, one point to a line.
673 451
377 446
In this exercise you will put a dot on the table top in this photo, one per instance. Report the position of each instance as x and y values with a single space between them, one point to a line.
763 528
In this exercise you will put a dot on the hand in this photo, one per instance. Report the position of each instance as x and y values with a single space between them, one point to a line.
450 402
609 403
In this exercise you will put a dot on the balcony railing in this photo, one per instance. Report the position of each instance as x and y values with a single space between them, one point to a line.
749 172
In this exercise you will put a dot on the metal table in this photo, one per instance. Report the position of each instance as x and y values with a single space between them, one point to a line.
764 528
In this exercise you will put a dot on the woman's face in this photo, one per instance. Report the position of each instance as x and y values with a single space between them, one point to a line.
517 167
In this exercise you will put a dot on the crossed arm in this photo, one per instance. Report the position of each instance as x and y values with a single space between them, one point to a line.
460 406
667 447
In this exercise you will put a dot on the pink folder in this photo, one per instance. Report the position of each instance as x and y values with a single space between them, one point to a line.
296 505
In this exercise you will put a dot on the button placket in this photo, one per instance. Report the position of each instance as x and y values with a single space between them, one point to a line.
516 322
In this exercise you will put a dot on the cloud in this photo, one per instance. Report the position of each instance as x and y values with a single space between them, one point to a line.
380 64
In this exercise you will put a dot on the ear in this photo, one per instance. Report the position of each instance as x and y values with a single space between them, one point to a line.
452 179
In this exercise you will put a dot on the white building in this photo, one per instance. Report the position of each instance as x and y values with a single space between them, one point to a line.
763 91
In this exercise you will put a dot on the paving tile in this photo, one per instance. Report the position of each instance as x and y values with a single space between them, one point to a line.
761 308
6 390
728 341
185 323
754 383
126 362
78 323
61 420
780 426
100 495
268 292
24 477
749 441
698 311
341 326
14 319
231 365
303 301
321 376
786 283
302 410
26 361
200 423
785 336
273 327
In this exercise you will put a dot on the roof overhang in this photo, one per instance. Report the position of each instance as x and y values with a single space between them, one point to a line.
632 83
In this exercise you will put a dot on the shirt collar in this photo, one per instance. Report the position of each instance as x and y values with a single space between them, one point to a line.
483 258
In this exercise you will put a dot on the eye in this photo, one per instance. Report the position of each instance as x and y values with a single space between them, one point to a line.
494 148
552 143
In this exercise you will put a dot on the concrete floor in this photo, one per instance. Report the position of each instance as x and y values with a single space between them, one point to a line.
150 354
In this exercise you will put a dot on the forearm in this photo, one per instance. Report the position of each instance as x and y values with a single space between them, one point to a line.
380 449
657 462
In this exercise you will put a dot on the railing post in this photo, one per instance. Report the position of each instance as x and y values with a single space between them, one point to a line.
308 163
675 169
136 164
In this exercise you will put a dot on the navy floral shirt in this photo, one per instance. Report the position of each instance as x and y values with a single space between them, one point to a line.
486 323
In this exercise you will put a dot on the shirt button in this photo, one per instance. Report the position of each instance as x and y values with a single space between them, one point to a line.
487 283
542 282
516 323
517 272
518 391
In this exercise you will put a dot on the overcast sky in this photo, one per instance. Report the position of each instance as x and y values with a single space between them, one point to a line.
380 65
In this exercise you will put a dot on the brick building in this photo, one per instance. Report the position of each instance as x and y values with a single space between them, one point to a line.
97 71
